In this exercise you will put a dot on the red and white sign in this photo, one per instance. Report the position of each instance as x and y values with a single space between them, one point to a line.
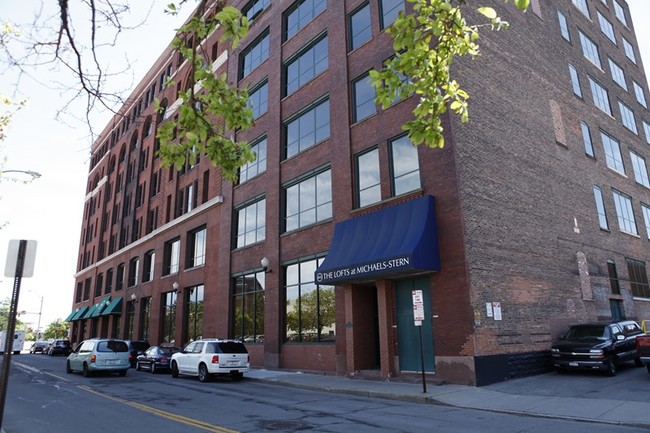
418 307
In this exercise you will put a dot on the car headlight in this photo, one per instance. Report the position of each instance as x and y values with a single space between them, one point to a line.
555 350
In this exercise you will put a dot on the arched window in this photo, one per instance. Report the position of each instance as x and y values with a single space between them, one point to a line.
122 154
147 129
134 142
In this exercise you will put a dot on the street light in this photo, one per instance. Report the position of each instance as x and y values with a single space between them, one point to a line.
33 174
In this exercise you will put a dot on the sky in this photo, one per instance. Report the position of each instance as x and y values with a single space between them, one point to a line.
49 210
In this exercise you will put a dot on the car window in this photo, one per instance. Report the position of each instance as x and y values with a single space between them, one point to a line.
168 350
588 332
189 348
87 346
631 329
232 347
616 330
112 346
139 345
198 348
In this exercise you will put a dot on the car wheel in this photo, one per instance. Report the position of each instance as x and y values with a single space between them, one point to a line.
174 370
237 376
611 367
86 372
204 376
638 362
68 369
152 367
122 372
137 366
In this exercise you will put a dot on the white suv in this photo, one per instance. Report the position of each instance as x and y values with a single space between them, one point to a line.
211 356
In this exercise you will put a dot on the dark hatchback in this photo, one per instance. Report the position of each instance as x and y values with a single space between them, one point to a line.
156 358
59 347
39 347
136 348
597 346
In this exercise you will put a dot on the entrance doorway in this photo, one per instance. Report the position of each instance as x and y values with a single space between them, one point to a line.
408 335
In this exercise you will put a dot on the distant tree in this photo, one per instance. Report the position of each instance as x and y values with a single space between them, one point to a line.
4 316
56 329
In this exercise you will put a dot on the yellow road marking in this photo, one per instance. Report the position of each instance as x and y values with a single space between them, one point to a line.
164 414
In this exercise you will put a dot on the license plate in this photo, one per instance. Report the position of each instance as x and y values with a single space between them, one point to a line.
112 361
573 364
233 363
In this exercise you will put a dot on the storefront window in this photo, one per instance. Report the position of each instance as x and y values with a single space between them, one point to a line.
248 299
195 313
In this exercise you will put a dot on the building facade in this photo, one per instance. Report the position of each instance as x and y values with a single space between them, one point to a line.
536 213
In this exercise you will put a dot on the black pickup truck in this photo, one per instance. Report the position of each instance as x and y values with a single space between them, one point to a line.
597 346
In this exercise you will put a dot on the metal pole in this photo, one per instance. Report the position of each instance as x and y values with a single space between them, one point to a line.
11 328
424 380
38 327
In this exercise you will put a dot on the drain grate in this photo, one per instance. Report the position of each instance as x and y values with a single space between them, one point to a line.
284 425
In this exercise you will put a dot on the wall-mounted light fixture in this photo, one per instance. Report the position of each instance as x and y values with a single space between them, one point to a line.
175 286
265 264
133 297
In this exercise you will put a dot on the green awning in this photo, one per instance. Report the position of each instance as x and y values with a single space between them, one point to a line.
79 313
114 308
99 307
70 316
90 311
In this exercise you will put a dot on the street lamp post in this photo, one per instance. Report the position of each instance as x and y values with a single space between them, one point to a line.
33 174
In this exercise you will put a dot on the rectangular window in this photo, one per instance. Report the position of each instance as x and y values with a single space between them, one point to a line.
613 277
109 281
617 74
149 265
129 320
300 15
194 315
253 8
620 13
405 167
360 29
258 100
575 81
252 169
646 218
586 139
627 116
646 130
590 50
99 282
196 243
389 11
134 271
255 54
600 209
169 317
306 65
309 315
145 318
308 201
248 304
368 178
625 213
612 153
629 50
640 169
171 256
582 6
600 96
640 95
638 278
307 129
564 27
251 224
363 98
606 27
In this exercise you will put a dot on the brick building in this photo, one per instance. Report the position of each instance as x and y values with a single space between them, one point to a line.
536 213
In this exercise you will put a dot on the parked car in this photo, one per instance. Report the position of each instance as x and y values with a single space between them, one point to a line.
59 347
99 354
643 348
136 348
39 347
597 346
207 357
156 358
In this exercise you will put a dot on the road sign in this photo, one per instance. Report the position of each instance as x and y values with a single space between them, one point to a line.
418 307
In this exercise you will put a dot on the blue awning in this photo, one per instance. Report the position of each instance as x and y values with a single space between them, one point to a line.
399 240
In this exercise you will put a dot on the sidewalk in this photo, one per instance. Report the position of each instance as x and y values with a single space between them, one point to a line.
619 412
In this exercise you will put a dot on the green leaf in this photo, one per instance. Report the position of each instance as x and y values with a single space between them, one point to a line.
488 12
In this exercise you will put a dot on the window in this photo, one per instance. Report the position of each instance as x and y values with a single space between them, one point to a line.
134 271
575 82
640 95
255 54
307 129
130 318
582 5
364 98
309 309
306 65
590 50
248 304
613 277
612 153
624 212
109 281
368 179
405 166
194 314
620 13
606 27
600 96
627 116
196 242
251 224
564 28
390 10
646 130
600 209
187 198
169 317
629 50
302 14
308 201
258 100
638 278
171 255
586 139
119 277
617 74
145 317
254 7
149 265
640 169
360 29
646 218
252 169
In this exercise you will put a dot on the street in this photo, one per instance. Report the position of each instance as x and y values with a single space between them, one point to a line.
43 398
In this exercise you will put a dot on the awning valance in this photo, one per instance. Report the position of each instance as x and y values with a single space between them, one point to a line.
394 241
